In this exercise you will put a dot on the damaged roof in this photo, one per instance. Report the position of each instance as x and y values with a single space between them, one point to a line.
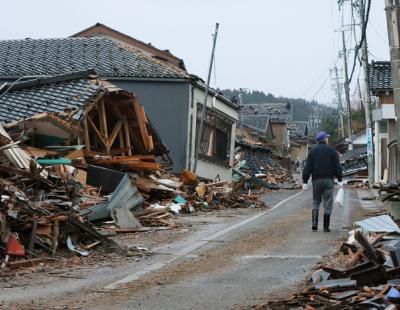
50 94
109 58
380 77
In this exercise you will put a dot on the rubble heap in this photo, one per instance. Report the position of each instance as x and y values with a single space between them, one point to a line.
365 274
259 166
84 165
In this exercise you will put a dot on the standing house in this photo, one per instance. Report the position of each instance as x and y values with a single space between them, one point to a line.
383 116
101 30
298 133
171 97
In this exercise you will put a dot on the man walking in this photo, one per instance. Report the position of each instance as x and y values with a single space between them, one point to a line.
323 165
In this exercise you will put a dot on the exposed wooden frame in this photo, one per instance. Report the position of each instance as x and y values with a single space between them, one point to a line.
103 119
127 136
141 118
96 131
86 133
115 132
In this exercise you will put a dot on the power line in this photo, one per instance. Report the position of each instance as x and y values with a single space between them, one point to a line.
319 89
363 35
378 33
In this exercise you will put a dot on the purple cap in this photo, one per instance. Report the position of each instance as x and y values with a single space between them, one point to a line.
321 136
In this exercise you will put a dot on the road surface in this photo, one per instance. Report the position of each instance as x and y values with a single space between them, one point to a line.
241 263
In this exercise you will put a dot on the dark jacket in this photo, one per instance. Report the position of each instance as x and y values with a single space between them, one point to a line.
322 163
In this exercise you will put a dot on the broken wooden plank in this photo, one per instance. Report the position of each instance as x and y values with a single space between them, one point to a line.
141 229
125 159
29 262
369 249
144 165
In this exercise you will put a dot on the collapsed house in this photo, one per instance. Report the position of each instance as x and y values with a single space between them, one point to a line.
355 163
80 109
173 98
259 166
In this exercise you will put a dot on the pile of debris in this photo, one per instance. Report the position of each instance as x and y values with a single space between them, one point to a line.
70 164
364 275
39 216
258 166
355 163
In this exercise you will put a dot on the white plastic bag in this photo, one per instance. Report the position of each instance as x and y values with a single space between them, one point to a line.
339 200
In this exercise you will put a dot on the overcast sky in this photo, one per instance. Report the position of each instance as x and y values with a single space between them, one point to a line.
285 47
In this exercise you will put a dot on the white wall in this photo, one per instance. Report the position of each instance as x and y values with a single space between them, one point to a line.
207 169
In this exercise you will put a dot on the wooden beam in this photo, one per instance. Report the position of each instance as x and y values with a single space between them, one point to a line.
115 132
96 131
103 119
127 136
86 133
121 142
142 124
29 262
143 114
125 159
144 165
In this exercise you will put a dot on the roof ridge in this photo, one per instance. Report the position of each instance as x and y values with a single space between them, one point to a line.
45 80
126 35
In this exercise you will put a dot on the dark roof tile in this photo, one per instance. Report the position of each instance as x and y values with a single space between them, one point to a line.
107 57
53 94
380 77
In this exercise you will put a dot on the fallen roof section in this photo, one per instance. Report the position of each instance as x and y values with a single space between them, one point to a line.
47 94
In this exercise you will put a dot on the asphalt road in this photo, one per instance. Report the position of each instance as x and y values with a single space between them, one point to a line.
244 263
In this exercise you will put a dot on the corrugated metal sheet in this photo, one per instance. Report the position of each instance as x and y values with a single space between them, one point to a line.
126 195
382 223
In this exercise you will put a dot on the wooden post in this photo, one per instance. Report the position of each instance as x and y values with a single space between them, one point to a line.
96 131
141 119
86 133
103 119
114 133
121 141
127 136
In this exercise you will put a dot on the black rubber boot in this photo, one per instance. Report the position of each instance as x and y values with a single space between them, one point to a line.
314 220
327 219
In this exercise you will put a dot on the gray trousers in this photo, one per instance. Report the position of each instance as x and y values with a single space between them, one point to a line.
323 189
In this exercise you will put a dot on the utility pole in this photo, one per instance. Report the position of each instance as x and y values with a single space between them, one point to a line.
392 8
339 100
367 98
203 112
347 92
241 112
